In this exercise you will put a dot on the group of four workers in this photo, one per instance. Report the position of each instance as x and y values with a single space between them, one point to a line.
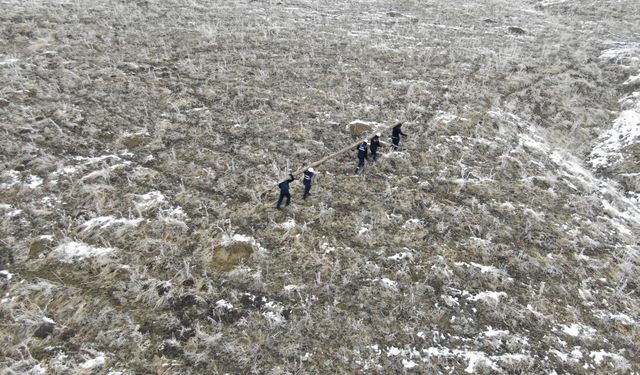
371 145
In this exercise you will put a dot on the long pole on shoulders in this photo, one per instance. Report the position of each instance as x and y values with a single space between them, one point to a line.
333 155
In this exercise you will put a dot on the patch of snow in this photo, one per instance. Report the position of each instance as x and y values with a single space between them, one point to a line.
622 50
50 201
408 364
599 356
625 132
9 61
62 170
576 353
34 181
289 224
104 172
72 251
486 269
487 296
450 301
94 362
226 240
562 356
549 3
149 200
375 126
13 176
575 330
490 332
103 222
173 216
581 256
476 358
622 318
444 117
292 287
388 283
14 213
616 214
224 304
37 369
94 160
401 256
142 133
370 123
362 230
480 241
413 224
6 274
632 80
536 144
274 319
507 206
539 216
67 169
237 238
99 173
326 248
510 118
393 351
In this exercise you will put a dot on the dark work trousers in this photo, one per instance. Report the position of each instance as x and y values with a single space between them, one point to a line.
284 194
374 155
396 143
360 165
307 188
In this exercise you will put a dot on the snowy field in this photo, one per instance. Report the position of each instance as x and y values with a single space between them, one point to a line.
143 140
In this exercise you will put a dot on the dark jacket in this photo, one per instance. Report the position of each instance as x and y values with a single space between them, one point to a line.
362 150
306 177
396 132
375 143
284 185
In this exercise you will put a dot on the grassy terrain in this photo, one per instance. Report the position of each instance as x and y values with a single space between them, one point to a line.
142 142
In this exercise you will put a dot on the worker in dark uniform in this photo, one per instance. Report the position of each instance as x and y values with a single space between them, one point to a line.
284 191
374 143
307 178
396 132
362 155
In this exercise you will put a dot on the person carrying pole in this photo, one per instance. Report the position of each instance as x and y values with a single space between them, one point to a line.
362 155
307 178
396 132
374 143
284 191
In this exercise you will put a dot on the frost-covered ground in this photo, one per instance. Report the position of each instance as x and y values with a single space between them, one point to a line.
142 141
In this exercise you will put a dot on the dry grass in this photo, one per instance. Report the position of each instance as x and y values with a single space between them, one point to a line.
172 117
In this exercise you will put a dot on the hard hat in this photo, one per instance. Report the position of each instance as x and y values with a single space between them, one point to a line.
365 141
312 170
378 134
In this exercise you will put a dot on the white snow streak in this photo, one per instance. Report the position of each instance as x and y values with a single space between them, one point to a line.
103 222
91 363
73 251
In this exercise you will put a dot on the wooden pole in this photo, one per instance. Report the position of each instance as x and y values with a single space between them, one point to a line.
337 153
352 146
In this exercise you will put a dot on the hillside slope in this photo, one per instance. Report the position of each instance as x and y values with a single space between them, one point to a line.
142 142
